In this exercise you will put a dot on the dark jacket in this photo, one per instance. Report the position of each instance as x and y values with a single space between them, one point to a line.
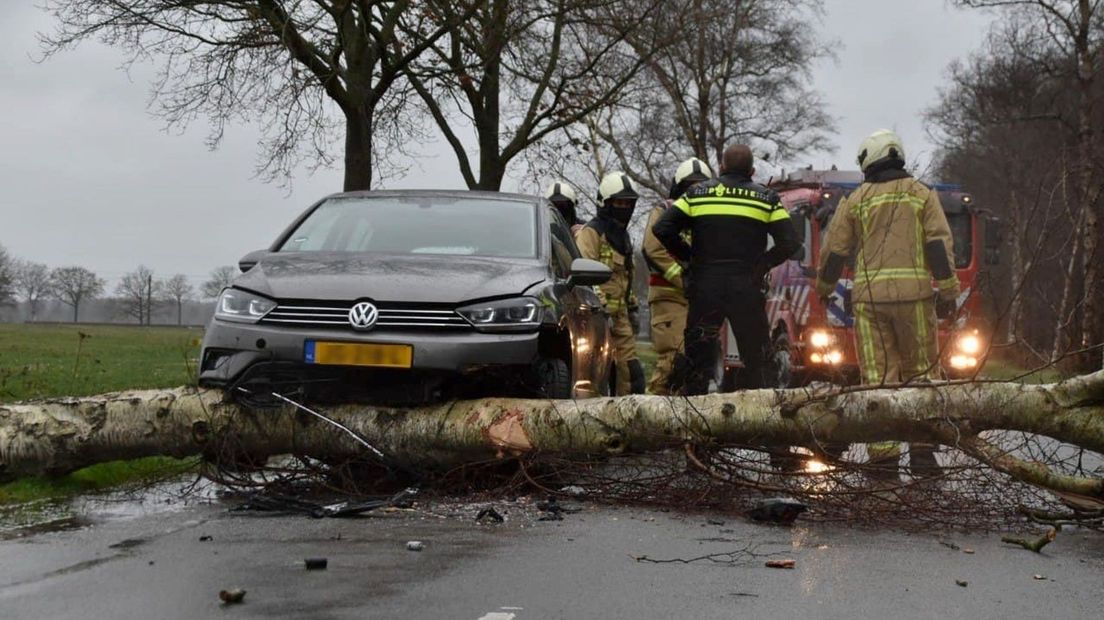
729 219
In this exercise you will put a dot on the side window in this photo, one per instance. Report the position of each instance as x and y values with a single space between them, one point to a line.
806 232
563 246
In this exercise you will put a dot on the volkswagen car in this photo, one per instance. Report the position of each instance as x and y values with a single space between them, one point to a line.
413 296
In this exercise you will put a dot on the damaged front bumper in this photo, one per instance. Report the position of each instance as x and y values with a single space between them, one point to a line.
236 354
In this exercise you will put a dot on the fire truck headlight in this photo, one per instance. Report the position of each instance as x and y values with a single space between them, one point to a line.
969 344
963 362
820 338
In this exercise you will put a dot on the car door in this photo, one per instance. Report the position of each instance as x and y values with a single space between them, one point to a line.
582 311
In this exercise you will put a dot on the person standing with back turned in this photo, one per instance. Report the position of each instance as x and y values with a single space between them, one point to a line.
895 230
730 219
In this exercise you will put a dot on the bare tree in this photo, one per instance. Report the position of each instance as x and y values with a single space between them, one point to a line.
738 72
310 69
177 289
220 279
1009 127
7 277
75 285
33 283
139 292
520 71
1072 32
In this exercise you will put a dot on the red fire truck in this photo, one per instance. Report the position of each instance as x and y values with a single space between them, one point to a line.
811 341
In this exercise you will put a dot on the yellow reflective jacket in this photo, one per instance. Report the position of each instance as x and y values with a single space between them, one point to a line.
666 281
616 294
897 234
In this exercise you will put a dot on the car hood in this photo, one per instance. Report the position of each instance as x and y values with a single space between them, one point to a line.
342 276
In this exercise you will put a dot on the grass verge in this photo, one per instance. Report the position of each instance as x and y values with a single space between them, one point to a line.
40 361
43 361
96 478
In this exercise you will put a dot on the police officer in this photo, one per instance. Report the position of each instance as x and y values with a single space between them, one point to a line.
729 219
895 229
562 196
606 239
666 298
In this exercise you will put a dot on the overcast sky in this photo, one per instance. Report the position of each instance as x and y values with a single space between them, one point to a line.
88 177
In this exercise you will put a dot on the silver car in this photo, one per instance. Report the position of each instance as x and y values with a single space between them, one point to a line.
414 296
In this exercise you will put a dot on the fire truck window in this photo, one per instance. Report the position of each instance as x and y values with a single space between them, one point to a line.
806 232
962 233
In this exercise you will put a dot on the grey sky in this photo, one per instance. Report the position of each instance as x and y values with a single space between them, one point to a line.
90 178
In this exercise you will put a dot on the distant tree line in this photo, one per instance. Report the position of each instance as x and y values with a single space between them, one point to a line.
137 296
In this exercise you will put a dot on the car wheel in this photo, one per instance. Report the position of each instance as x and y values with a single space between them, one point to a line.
554 378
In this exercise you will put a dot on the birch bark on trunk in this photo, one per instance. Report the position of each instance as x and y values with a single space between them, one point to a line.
62 435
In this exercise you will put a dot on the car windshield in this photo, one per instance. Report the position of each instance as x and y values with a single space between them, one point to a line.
419 225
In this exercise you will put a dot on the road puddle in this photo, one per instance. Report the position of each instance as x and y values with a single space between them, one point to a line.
71 513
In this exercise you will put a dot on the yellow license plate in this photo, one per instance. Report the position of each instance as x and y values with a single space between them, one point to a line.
359 354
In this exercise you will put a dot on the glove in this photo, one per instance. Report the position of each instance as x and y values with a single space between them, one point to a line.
687 279
945 308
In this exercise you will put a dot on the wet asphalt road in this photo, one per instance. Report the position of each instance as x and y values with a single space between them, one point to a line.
155 566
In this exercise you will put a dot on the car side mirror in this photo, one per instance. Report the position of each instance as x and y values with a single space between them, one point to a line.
250 260
586 272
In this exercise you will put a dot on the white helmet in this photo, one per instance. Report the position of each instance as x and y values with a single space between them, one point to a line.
616 185
694 170
560 190
881 144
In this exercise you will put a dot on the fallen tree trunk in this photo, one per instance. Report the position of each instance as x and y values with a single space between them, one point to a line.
57 436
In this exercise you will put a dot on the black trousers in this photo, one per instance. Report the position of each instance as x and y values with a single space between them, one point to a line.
715 295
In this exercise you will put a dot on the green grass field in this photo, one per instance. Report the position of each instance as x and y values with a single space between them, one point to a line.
39 361
42 361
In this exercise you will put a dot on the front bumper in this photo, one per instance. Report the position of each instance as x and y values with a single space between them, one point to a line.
231 348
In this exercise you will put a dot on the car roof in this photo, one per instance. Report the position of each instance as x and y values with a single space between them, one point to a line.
451 193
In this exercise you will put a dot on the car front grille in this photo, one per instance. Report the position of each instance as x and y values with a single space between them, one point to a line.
335 315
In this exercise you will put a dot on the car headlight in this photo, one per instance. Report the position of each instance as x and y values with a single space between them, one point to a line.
505 315
242 306
820 338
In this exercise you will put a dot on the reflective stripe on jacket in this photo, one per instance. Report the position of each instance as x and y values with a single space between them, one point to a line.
730 219
665 282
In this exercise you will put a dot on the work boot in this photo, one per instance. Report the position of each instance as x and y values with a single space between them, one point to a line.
922 461
883 463
784 460
636 377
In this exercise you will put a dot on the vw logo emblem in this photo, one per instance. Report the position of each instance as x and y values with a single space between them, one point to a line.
363 315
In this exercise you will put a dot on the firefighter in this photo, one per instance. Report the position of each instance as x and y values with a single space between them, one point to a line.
895 230
606 239
562 196
666 298
729 219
